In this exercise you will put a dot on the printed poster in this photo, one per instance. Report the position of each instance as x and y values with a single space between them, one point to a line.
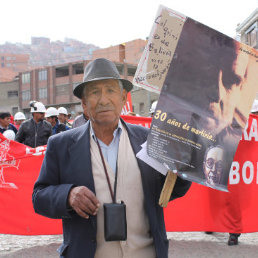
207 83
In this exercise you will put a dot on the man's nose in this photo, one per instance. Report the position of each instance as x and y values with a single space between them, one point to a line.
103 98
217 89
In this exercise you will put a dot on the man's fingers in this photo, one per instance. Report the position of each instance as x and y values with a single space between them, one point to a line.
82 200
82 214
91 196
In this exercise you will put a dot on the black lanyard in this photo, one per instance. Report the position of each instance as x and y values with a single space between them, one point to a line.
113 195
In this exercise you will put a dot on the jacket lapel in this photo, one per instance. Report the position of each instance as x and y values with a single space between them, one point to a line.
80 156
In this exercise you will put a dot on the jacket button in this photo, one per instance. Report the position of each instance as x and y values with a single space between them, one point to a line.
93 241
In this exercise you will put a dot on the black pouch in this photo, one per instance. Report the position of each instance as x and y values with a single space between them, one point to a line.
115 226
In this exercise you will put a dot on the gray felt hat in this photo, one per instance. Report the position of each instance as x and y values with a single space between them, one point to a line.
100 69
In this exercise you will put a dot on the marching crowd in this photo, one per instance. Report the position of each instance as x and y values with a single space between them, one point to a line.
35 131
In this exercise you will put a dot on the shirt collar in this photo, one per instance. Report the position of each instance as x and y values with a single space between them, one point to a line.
117 131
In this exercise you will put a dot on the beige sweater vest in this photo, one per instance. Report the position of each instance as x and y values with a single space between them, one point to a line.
139 243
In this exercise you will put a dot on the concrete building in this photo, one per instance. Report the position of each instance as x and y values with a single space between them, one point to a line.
248 30
129 52
9 96
12 64
53 85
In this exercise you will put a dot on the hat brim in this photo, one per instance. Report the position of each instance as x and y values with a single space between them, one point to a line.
78 90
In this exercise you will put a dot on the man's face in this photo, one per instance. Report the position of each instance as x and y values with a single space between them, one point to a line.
5 122
62 118
229 83
213 165
18 122
51 120
38 116
104 101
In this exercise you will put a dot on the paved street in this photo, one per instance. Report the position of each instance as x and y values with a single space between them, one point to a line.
182 244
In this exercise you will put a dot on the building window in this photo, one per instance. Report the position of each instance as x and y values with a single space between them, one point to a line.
2 58
78 68
131 71
62 71
141 107
26 95
43 75
2 64
12 94
14 110
42 93
25 78
251 36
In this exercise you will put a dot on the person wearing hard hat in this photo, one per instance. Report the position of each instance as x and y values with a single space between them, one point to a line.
254 109
153 108
51 116
63 116
19 118
5 122
35 131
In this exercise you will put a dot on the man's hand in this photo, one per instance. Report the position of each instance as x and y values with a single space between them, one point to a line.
83 201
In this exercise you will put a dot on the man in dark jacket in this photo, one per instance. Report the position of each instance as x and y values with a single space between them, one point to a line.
35 131
5 122
73 181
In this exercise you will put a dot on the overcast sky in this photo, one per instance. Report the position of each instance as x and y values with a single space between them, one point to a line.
110 22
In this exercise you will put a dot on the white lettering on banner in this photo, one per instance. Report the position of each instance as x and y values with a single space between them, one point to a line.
247 172
40 150
248 164
234 176
253 131
6 160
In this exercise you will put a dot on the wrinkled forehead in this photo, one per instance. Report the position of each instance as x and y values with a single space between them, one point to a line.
103 83
215 153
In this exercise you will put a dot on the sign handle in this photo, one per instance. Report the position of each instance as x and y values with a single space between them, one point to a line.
167 189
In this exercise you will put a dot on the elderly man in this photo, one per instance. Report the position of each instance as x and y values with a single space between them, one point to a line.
95 164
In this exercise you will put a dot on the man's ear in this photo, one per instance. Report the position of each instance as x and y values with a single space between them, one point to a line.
124 96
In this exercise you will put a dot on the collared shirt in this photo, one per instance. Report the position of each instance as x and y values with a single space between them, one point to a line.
9 127
110 151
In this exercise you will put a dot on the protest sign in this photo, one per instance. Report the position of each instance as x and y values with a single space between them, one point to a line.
207 83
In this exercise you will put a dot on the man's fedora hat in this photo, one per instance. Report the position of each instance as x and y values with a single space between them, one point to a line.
100 69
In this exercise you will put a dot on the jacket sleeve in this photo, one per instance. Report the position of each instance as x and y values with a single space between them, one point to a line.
180 189
20 136
49 196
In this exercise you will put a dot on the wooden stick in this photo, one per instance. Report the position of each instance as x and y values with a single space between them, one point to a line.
167 189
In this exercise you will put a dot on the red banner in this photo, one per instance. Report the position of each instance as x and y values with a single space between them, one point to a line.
202 209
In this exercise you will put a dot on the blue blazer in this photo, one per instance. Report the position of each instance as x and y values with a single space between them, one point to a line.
67 163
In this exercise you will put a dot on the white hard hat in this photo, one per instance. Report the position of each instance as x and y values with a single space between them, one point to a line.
51 111
9 134
255 106
62 110
37 107
19 116
153 107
